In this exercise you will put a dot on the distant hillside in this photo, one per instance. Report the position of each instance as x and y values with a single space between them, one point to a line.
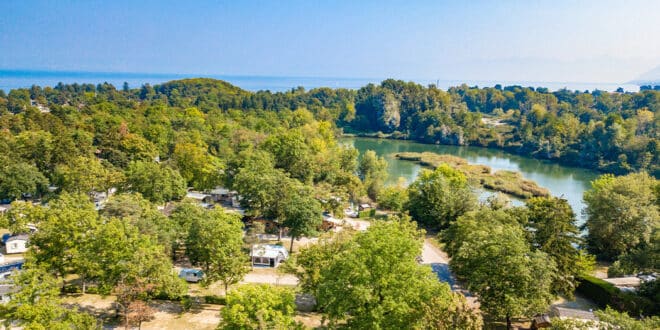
200 86
651 77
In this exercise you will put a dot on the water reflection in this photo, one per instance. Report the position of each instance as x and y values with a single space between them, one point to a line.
569 182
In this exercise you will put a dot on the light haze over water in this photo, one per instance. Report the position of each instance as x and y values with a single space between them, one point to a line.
12 79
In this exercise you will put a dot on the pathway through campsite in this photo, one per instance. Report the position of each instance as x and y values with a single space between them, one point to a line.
439 262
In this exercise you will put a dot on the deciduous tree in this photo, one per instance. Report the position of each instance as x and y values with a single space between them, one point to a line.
438 197
259 307
621 213
215 241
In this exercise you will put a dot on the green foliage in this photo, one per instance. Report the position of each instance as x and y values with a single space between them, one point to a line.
373 172
216 300
372 280
143 215
155 182
37 306
365 214
67 225
21 178
556 234
22 214
497 264
474 221
621 214
86 175
259 307
621 320
197 166
302 216
606 294
215 241
438 197
393 198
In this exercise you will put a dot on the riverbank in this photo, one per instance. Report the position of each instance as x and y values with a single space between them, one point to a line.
513 150
507 182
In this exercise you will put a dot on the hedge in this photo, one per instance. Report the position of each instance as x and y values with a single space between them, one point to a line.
215 300
367 213
606 294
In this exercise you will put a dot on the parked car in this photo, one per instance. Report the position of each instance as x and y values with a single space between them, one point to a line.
191 275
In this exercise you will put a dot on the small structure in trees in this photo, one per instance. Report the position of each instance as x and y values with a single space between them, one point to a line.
269 255
16 244
191 275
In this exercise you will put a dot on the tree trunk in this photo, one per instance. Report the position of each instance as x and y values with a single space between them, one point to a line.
126 317
291 249
226 288
84 285
279 234
508 322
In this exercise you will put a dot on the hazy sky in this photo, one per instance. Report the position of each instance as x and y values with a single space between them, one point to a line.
562 41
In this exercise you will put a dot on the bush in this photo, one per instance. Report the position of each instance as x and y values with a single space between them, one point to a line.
215 300
71 289
616 270
367 213
606 294
92 290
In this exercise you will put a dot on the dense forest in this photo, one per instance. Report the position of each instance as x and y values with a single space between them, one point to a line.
612 132
61 147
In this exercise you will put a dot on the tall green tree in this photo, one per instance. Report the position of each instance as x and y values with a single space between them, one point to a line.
556 234
497 264
67 226
200 169
36 305
215 242
87 175
622 213
393 197
259 307
373 172
140 213
438 197
302 216
154 181
18 178
21 216
376 283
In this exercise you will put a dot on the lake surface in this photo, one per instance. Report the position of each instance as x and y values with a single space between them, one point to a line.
562 181
12 79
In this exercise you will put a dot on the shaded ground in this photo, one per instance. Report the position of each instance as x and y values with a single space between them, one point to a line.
168 315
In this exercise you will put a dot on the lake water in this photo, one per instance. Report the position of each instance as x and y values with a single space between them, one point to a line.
562 181
12 79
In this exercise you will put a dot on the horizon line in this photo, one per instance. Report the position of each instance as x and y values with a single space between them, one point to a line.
215 75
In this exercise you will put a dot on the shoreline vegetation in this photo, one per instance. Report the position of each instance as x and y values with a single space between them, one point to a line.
507 182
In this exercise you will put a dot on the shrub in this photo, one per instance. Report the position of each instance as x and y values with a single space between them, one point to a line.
367 213
606 294
215 300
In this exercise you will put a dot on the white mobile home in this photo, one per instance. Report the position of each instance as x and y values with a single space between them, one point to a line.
269 255
16 244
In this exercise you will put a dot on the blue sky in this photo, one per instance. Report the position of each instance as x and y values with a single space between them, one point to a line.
572 41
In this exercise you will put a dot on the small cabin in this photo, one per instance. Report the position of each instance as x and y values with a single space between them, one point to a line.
268 255
205 200
364 206
16 244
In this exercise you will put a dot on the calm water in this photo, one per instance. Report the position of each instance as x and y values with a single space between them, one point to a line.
568 182
12 79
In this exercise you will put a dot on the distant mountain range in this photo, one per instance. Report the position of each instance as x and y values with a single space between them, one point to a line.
651 77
